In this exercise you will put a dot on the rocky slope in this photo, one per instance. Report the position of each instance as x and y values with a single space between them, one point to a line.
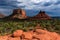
37 34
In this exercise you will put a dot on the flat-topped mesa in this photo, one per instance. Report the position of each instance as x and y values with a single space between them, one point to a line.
41 15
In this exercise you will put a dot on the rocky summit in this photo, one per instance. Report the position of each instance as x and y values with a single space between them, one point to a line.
17 13
41 16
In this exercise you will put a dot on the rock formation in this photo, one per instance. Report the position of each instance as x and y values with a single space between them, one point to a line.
38 34
41 15
17 13
2 16
21 14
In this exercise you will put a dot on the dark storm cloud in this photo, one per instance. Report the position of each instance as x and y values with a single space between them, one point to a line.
9 4
47 4
57 3
6 6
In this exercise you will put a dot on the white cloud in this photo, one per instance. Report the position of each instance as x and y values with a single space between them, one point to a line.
35 1
47 5
30 4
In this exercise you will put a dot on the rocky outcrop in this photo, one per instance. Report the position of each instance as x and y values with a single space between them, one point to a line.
41 15
17 14
38 34
2 16
21 14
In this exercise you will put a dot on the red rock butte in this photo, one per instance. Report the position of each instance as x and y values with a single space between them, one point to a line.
41 16
17 13
21 14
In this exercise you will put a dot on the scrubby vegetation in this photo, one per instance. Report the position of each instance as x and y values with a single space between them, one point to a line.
7 27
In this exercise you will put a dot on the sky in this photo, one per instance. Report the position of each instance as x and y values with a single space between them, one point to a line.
32 7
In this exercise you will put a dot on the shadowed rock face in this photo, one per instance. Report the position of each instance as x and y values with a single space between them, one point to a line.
41 15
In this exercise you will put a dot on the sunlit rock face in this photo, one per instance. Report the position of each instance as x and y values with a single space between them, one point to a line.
18 13
37 34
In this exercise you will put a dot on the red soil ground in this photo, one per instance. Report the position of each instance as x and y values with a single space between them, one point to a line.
38 34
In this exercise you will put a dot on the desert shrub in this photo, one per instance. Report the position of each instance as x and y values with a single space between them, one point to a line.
10 26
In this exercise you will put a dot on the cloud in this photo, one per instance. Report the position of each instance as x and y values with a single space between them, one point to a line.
5 11
47 5
28 4
37 4
58 2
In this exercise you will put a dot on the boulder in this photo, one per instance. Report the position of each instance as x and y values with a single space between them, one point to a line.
4 37
28 35
17 33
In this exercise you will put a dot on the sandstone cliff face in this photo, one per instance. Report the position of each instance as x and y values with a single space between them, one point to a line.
42 15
